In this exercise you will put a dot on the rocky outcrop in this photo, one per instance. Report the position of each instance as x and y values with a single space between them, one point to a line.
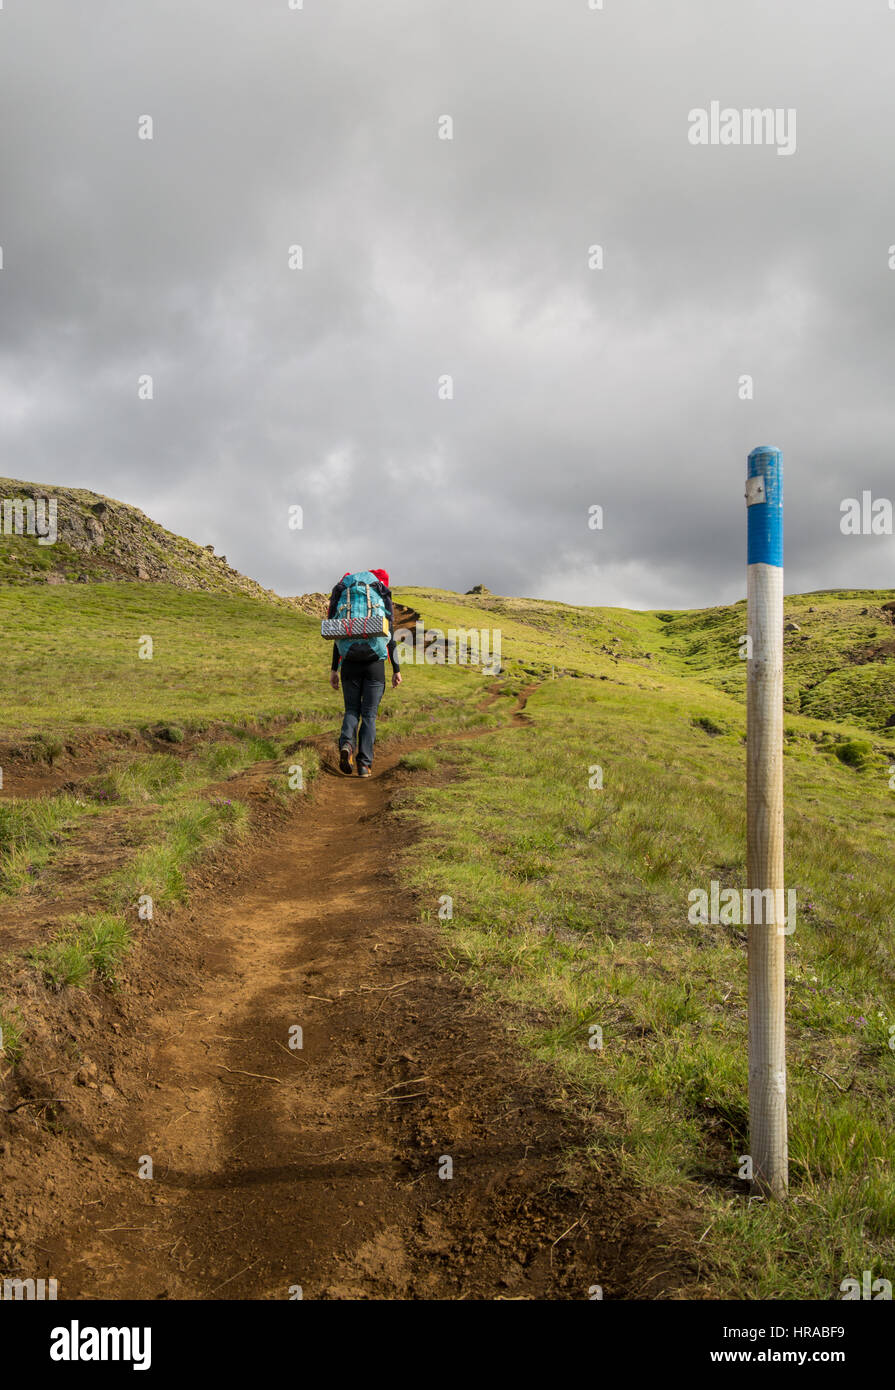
99 539
315 605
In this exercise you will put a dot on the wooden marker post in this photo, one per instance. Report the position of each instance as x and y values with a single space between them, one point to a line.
764 844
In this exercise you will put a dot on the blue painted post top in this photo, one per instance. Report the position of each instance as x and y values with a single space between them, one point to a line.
764 507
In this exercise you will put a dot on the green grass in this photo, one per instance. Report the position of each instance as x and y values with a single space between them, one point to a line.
11 1046
75 665
570 905
854 752
76 658
157 777
423 761
182 832
92 944
134 779
30 831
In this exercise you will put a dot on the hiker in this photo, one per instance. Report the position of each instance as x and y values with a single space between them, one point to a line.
361 664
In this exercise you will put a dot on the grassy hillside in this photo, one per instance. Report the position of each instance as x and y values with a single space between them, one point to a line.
72 661
839 664
570 899
570 907
839 652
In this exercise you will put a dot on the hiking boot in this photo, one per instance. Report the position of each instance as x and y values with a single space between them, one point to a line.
364 772
345 756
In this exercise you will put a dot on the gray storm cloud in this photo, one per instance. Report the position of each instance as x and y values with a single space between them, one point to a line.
423 257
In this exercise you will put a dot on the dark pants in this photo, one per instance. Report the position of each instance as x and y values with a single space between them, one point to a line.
362 688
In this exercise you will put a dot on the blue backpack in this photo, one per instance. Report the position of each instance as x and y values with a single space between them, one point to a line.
362 597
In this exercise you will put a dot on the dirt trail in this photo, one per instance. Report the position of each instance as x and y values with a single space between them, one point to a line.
325 1167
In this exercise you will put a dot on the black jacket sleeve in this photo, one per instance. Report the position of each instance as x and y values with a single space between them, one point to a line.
333 601
389 608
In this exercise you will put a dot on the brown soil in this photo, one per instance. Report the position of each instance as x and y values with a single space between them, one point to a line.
323 1167
27 774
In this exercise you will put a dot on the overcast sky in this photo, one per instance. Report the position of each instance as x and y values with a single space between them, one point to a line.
573 387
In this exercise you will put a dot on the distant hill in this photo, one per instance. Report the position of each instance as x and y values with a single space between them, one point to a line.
839 645
99 539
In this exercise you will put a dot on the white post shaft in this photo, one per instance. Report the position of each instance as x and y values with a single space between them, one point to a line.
764 867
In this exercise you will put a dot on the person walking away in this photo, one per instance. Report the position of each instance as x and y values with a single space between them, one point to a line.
360 663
